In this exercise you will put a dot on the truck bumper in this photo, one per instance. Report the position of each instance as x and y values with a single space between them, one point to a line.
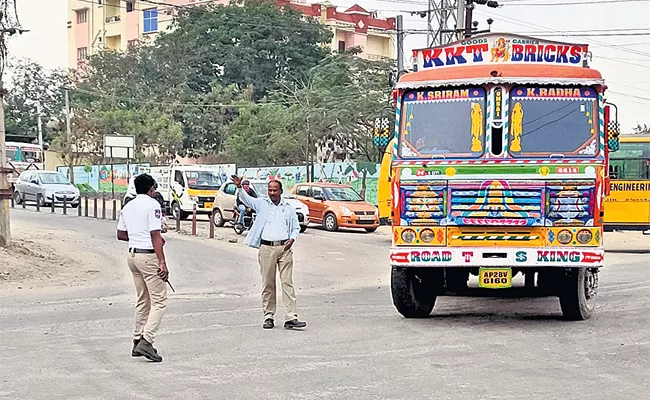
512 257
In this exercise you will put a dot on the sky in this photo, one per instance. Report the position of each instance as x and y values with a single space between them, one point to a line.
623 60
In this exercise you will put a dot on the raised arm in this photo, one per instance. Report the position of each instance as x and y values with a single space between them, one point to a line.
249 201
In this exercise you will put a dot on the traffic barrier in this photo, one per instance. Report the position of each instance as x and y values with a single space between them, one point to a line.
103 207
85 206
52 205
95 207
211 216
114 209
65 204
194 220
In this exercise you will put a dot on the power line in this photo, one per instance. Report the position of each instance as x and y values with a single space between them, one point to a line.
525 2
518 22
573 3
629 95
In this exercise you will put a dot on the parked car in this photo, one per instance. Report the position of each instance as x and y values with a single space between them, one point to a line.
45 187
337 206
226 199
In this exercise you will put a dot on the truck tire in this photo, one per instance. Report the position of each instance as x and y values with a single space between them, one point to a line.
578 293
176 210
414 290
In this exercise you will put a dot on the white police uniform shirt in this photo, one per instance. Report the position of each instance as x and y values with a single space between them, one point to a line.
139 218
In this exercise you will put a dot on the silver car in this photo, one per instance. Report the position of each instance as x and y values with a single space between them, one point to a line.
45 187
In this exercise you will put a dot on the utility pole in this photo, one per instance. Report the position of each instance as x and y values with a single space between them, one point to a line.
443 20
470 26
9 25
39 120
400 44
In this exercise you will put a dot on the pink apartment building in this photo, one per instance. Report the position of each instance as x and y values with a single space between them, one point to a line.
94 25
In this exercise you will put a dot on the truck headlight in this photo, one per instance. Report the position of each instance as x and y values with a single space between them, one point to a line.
408 235
564 236
584 236
427 235
194 198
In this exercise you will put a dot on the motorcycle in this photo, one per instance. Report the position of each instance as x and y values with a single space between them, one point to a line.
249 218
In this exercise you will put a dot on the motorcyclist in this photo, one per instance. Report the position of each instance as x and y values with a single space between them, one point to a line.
241 208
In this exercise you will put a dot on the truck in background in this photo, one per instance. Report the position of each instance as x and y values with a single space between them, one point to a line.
184 186
499 168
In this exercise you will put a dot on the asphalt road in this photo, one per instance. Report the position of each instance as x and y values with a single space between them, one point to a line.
68 343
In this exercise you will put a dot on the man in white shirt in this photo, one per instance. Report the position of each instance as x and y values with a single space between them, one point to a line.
274 231
140 224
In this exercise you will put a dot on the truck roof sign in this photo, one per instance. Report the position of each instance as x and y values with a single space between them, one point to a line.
501 48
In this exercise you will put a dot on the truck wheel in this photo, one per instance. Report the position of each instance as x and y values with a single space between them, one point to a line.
414 290
176 211
578 293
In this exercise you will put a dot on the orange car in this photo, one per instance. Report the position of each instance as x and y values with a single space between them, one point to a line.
337 206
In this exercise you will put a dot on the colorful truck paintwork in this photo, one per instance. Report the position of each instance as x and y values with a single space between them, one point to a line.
498 168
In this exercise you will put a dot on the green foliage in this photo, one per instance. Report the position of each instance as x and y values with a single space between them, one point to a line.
245 43
29 85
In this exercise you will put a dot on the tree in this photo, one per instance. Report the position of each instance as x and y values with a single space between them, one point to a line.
248 42
641 129
264 134
32 84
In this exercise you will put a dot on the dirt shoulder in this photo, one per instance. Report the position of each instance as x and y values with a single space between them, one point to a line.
42 257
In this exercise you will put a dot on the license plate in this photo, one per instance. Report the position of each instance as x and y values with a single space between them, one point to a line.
367 217
495 278
208 206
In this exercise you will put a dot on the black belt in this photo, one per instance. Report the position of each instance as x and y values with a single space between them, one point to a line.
274 243
142 251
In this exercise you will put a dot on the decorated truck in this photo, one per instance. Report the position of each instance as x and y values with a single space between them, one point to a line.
498 174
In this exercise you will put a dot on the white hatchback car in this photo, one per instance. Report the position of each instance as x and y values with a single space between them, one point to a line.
224 203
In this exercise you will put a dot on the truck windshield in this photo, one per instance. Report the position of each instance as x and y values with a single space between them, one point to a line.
441 123
553 122
203 180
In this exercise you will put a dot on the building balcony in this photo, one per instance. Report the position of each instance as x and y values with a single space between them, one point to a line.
113 19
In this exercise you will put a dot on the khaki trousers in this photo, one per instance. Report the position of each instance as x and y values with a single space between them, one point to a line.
270 259
152 295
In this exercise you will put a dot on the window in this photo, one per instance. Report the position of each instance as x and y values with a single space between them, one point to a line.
129 6
342 194
302 190
82 16
553 122
150 20
341 46
230 189
203 180
82 53
443 123
631 161
178 178
315 192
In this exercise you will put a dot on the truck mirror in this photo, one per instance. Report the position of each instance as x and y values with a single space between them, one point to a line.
612 127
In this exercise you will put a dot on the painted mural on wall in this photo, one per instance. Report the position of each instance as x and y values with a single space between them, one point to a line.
363 177
100 178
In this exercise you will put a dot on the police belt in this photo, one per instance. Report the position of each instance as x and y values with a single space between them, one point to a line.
274 243
141 251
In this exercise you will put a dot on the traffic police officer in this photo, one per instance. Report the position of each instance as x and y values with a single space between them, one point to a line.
140 224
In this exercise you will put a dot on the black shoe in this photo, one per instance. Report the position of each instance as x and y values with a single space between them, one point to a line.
135 344
268 324
294 324
145 349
